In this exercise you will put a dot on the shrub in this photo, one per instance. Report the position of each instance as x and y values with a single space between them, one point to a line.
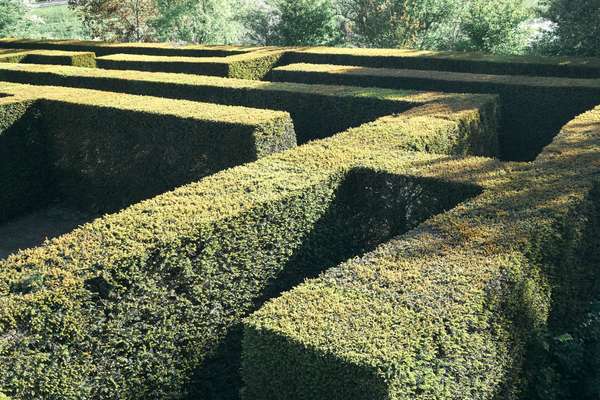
448 310
77 59
527 102
145 303
108 150
24 169
106 48
246 66
318 111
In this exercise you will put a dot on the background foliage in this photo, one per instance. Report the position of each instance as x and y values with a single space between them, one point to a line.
548 27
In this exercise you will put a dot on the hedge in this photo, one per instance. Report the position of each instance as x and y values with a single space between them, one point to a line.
534 108
77 59
24 167
246 66
108 150
147 303
449 310
317 110
106 48
375 58
568 67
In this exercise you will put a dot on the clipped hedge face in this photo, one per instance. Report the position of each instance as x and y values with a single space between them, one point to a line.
105 48
24 171
246 66
76 59
318 111
147 302
449 310
533 108
106 151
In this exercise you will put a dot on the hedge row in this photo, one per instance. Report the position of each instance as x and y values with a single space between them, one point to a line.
317 110
106 48
24 167
77 59
533 108
147 303
108 150
246 66
374 58
568 67
449 310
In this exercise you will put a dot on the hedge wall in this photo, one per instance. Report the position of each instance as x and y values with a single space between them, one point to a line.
375 58
105 48
146 303
77 59
449 310
246 66
568 67
317 110
534 108
24 177
108 150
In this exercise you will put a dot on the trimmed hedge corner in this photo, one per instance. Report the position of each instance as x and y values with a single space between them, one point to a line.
254 65
108 150
533 108
147 303
449 310
318 111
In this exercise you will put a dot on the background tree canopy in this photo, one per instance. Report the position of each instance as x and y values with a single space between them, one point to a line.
549 27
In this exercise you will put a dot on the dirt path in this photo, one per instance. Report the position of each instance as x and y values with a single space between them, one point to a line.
32 229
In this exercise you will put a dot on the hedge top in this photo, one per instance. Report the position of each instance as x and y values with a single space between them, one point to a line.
590 62
109 48
445 311
147 104
386 58
506 80
190 60
49 53
209 81
135 247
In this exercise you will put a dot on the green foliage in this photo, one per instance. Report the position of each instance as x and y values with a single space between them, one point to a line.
495 26
24 168
396 23
576 31
294 22
550 103
176 274
447 311
198 21
317 111
244 66
121 160
439 24
11 14
56 22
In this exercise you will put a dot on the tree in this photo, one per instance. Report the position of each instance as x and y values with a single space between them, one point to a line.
495 27
12 13
294 22
396 23
199 21
120 20
576 27
482 25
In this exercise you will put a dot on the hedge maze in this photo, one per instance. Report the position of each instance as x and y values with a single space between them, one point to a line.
269 223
